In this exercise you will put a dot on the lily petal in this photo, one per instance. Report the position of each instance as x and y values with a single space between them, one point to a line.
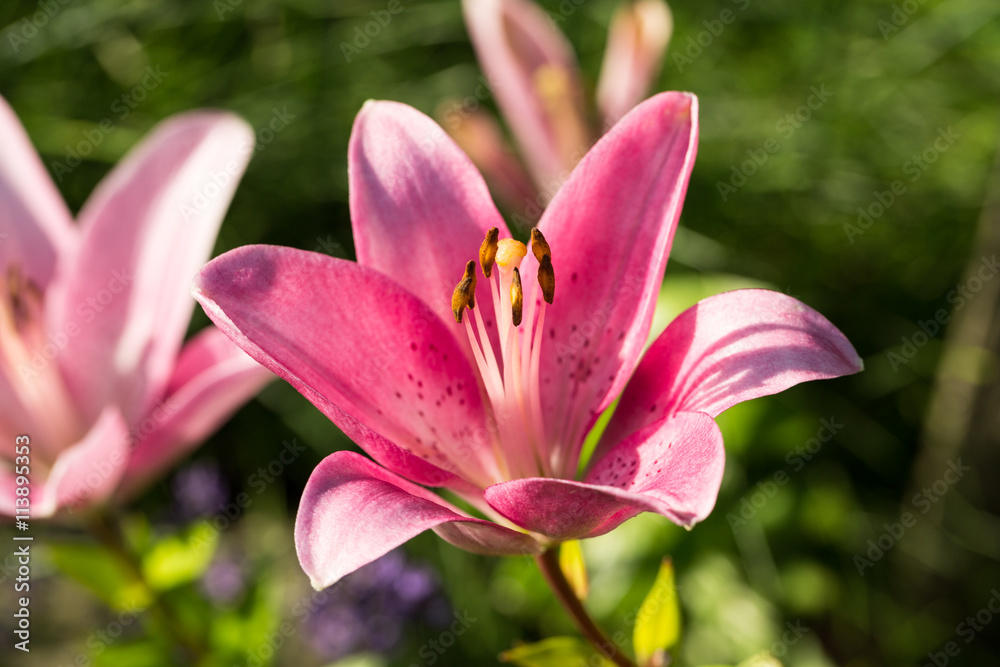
146 230
371 356
353 511
726 349
673 467
533 73
637 40
87 473
36 228
610 228
212 379
419 208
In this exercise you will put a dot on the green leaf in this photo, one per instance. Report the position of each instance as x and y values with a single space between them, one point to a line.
658 624
555 652
574 568
181 558
102 572
136 654
762 659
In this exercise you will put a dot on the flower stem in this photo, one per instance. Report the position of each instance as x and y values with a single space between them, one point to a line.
548 563
105 528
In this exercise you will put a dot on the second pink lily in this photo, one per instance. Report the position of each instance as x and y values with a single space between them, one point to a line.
536 81
495 409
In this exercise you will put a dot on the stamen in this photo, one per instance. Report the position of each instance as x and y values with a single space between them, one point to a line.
464 295
547 278
516 299
488 251
539 245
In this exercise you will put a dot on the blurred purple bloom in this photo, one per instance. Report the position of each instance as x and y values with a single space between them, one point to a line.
199 489
223 581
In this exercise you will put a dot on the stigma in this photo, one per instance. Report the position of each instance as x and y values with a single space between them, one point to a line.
507 348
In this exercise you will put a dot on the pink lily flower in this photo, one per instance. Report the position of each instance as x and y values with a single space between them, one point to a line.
536 81
494 407
93 314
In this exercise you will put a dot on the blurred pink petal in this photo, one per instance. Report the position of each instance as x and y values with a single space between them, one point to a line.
212 379
147 228
637 41
92 318
36 230
536 81
479 135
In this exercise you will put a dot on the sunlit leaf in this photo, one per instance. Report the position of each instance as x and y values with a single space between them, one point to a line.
658 624
182 558
555 652
102 572
574 567
762 659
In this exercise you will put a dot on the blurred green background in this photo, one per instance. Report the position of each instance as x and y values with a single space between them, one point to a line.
909 92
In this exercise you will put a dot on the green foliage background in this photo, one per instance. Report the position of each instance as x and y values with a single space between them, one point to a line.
894 88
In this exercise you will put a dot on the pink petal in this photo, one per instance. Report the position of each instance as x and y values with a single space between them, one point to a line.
479 135
420 209
146 229
637 40
727 349
36 228
610 228
87 473
533 73
213 378
367 353
673 468
353 511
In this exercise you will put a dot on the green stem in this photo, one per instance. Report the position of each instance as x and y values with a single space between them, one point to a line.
548 563
105 528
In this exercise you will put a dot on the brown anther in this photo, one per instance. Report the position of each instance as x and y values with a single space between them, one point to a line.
488 251
516 298
546 278
465 292
539 245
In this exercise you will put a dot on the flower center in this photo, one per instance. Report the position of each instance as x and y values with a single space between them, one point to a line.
41 406
512 381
